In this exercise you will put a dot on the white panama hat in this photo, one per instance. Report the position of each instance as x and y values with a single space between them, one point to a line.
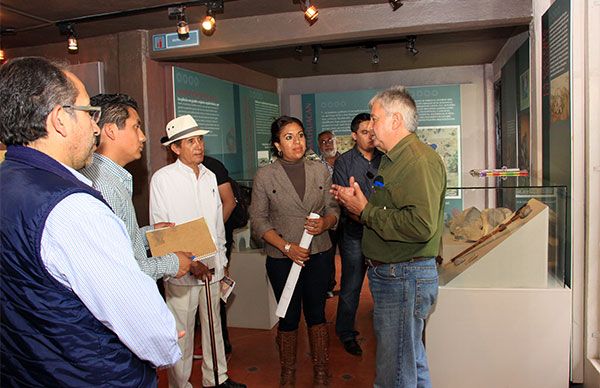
182 127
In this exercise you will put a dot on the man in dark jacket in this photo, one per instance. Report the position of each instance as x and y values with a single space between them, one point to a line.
69 317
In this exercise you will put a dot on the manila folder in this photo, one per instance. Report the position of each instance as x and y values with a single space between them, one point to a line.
192 236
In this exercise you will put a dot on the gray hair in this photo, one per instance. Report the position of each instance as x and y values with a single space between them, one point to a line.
397 99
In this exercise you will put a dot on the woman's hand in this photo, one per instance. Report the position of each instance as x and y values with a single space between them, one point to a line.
317 226
297 254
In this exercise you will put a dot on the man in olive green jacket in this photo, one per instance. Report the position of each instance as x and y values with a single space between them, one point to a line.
403 224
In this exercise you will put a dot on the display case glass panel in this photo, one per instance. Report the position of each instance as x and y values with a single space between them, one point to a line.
509 236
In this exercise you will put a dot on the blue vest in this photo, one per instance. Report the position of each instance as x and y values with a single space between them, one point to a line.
49 337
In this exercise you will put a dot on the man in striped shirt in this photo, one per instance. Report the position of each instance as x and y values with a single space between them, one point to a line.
121 141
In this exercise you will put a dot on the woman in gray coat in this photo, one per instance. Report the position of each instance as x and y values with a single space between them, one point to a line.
284 193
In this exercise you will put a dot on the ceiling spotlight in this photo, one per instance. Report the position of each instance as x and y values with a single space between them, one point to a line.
311 13
183 30
411 40
69 30
395 4
209 23
316 52
374 55
72 45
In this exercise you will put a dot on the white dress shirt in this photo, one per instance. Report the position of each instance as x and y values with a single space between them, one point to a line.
177 195
85 246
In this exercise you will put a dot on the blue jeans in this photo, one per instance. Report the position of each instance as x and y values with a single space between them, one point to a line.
353 274
403 294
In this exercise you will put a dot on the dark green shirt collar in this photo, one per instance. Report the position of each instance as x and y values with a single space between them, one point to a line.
396 151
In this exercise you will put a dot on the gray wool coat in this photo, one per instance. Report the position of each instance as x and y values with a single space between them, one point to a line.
276 205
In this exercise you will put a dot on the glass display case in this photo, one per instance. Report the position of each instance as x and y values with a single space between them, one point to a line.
503 312
508 236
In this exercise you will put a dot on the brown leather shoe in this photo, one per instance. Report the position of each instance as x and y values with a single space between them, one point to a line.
318 336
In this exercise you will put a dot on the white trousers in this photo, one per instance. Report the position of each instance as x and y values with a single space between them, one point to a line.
183 301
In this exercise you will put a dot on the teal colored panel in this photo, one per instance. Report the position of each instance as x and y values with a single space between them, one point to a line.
237 117
309 119
211 102
439 123
257 110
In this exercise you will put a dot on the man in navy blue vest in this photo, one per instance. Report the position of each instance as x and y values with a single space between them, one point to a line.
76 309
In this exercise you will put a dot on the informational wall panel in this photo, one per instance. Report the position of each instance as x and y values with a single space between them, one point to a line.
439 109
237 117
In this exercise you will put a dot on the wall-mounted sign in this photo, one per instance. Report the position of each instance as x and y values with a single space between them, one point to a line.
440 123
170 41
238 117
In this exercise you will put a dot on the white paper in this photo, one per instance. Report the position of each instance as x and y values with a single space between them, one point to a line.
290 284
227 285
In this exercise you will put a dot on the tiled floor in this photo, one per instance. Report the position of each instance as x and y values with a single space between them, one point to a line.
255 361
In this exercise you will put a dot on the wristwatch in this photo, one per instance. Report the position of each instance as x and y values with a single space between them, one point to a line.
287 247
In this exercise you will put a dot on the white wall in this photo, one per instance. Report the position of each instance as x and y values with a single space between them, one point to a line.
588 77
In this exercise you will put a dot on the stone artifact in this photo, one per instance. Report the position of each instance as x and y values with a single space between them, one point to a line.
521 213
472 224
493 217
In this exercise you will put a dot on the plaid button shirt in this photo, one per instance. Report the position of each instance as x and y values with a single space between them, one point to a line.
116 185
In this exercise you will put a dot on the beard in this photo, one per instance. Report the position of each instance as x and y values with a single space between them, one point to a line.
329 154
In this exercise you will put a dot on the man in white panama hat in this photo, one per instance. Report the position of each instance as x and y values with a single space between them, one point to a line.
180 192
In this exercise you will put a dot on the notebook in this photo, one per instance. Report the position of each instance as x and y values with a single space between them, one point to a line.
193 236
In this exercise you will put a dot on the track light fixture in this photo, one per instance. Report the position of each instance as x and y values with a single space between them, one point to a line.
311 13
316 52
68 29
209 23
395 4
183 29
411 40
72 45
175 10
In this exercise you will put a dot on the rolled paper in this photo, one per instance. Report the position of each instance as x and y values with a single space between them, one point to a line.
292 280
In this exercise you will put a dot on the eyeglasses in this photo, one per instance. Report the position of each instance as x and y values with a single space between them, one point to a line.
327 141
94 111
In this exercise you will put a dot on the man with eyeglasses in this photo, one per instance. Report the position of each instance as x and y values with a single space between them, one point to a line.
121 141
69 317
403 223
360 162
328 149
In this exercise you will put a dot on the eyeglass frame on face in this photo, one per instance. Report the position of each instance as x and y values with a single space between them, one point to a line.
95 112
331 140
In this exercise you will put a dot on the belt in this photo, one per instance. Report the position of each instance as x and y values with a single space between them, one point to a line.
374 263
